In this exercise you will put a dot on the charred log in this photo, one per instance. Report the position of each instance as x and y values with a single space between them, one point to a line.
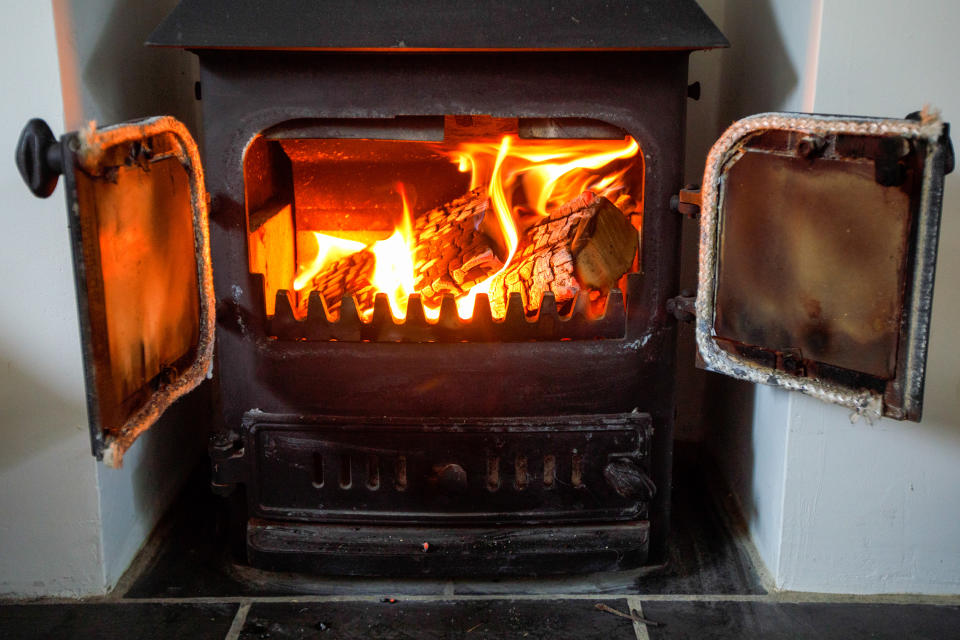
349 276
586 244
452 249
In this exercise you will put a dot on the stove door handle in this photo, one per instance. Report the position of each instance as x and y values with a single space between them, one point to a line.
39 158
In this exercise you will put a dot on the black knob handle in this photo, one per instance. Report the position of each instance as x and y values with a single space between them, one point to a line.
39 158
629 480
450 477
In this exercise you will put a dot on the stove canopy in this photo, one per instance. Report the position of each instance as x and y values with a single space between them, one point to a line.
439 25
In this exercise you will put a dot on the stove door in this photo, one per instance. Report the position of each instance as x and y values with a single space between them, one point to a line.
818 244
137 210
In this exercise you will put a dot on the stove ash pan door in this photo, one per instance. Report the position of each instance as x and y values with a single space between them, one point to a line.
818 245
138 224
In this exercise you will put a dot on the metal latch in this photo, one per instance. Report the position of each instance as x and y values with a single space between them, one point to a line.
684 306
229 462
687 202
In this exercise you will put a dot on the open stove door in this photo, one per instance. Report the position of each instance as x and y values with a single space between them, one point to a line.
137 211
818 245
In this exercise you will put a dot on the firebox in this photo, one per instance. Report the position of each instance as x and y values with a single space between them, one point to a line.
430 259
478 207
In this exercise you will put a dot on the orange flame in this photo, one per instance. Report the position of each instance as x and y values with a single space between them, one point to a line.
329 249
525 179
393 274
548 172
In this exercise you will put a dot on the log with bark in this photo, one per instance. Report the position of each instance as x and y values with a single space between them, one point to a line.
585 244
351 275
455 247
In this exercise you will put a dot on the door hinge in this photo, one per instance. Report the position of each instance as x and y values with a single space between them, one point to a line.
687 202
228 460
684 306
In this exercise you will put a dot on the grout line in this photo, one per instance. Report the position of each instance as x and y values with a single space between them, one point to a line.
791 597
448 589
640 629
600 597
239 620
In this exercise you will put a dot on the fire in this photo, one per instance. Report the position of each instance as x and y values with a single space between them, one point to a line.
329 249
547 173
525 179
393 273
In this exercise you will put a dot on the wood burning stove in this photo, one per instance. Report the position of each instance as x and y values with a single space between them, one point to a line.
531 153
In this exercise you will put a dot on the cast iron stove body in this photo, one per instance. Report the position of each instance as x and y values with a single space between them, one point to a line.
504 450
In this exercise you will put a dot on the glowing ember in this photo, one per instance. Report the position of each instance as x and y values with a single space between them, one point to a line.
525 180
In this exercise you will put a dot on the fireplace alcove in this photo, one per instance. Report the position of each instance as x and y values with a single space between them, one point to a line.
541 426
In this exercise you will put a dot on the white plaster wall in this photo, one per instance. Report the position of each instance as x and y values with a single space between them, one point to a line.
876 508
834 506
69 526
49 503
109 76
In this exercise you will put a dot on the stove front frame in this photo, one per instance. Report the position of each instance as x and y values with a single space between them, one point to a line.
642 93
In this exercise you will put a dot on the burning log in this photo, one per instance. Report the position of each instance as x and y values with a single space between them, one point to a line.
351 275
452 250
587 243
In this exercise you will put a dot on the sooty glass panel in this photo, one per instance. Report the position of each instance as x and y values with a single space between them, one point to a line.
813 254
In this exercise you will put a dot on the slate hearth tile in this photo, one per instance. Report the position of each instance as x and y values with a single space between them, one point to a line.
545 619
121 621
824 621
218 575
